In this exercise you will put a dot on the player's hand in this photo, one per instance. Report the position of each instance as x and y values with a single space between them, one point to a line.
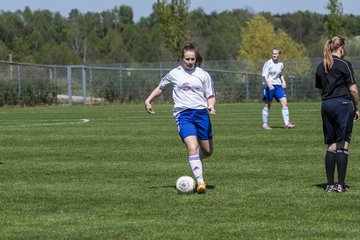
212 111
271 87
283 85
148 108
356 116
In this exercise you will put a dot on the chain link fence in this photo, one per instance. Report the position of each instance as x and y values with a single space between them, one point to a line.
234 81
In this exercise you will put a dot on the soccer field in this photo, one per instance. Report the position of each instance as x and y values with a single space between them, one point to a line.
109 172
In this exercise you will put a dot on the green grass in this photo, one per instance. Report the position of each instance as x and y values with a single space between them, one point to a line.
114 177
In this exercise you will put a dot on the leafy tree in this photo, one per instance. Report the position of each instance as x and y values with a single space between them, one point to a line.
56 54
126 15
173 20
354 48
114 49
90 28
258 39
4 51
224 44
74 32
11 28
333 23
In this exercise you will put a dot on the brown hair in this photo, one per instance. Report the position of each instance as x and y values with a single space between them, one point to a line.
278 49
331 46
191 47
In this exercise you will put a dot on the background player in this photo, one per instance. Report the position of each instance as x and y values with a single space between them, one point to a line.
274 83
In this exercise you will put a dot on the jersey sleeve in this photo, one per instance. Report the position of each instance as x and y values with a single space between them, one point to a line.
265 70
349 75
208 86
165 81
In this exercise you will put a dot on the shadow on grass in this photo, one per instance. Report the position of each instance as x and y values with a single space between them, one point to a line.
323 185
173 186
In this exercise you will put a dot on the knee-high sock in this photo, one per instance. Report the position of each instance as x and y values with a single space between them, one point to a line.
330 162
265 115
196 167
342 162
285 114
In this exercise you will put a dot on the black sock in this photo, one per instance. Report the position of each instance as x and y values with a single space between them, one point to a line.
342 161
330 160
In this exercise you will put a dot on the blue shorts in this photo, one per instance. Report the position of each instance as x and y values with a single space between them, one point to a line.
278 92
337 115
194 122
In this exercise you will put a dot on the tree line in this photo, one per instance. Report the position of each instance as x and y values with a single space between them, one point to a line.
112 36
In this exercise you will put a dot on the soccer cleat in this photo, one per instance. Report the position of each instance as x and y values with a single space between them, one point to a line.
289 126
330 188
267 127
340 188
201 188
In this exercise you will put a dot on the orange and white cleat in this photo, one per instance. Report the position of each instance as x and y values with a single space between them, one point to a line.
201 187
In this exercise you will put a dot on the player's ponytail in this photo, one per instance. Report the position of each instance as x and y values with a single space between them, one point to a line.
328 59
331 46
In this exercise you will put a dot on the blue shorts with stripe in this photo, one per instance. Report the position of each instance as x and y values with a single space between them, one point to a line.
278 92
194 122
337 115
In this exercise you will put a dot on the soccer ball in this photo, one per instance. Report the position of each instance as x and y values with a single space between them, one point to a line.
185 185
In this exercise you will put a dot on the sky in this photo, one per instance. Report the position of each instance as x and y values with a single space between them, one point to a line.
143 8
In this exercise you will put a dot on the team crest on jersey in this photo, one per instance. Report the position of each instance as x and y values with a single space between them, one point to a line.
186 86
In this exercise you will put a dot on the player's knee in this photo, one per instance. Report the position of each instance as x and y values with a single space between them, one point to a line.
193 150
207 152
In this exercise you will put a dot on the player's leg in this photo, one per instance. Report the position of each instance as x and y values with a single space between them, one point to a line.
345 116
281 95
188 133
206 148
342 156
330 162
204 135
329 139
268 96
195 162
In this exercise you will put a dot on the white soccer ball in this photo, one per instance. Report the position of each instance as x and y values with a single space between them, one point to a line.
185 184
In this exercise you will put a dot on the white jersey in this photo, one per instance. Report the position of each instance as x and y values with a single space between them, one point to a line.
273 71
191 88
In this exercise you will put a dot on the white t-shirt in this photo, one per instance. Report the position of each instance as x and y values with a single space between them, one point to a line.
273 71
191 88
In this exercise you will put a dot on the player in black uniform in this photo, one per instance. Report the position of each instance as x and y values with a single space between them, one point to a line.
339 94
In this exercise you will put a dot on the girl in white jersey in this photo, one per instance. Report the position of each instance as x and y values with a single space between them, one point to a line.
194 98
274 83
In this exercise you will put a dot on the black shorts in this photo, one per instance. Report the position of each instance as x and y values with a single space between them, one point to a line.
337 115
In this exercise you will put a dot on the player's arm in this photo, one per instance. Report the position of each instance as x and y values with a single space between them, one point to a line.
154 94
267 80
355 99
283 82
211 105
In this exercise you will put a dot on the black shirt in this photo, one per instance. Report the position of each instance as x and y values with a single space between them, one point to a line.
337 81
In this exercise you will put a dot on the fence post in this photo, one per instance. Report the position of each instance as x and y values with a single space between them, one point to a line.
84 84
292 79
69 84
245 80
161 74
90 82
120 82
19 81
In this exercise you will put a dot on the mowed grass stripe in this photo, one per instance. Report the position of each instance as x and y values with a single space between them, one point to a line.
114 177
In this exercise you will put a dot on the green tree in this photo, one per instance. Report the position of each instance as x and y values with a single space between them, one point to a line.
333 23
258 39
4 51
173 20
